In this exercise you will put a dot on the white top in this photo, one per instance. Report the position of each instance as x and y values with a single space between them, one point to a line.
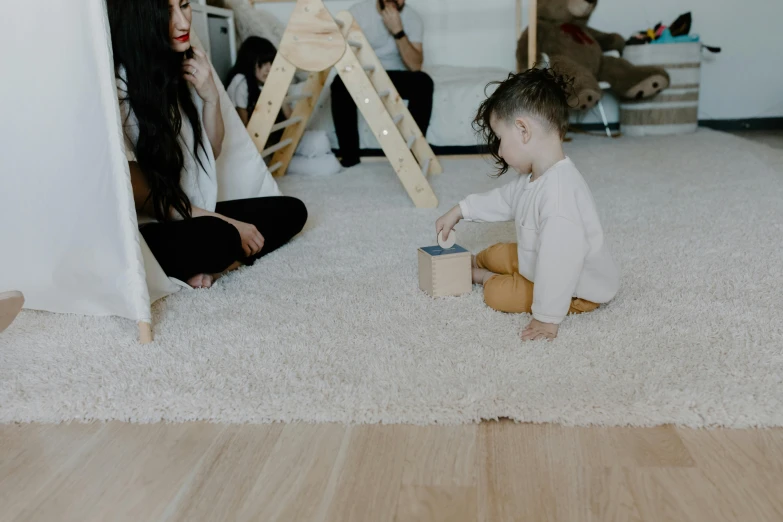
199 183
238 92
560 241
381 40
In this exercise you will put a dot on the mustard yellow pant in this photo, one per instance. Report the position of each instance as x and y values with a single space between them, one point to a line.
509 291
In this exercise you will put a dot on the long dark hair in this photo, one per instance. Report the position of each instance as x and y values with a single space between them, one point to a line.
155 91
255 51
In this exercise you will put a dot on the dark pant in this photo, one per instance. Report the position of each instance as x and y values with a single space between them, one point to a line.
416 87
209 245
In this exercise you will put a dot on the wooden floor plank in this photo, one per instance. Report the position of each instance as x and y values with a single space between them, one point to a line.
440 456
543 473
496 471
32 454
131 472
368 480
223 480
437 504
293 482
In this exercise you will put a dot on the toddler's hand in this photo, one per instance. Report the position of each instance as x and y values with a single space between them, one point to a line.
447 221
538 330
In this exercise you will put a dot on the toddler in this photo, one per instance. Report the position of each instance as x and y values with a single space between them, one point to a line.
560 263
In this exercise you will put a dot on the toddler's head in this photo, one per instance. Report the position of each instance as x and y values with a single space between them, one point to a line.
527 113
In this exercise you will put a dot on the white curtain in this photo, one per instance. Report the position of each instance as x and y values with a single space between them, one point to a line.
68 231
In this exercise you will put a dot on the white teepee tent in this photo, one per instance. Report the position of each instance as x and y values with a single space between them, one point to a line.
68 232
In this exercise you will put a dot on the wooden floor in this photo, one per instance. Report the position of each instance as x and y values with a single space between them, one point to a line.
493 472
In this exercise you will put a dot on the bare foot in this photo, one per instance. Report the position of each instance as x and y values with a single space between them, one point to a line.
481 276
201 281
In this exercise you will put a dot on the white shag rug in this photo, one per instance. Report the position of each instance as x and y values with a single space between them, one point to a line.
334 328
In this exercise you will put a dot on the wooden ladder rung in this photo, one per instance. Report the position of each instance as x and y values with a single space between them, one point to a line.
354 43
398 118
274 148
369 68
339 22
384 93
297 97
411 141
426 168
278 165
286 123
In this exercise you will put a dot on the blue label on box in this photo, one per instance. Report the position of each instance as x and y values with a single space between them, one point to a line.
438 251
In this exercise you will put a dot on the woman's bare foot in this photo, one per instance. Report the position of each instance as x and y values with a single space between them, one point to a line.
201 281
481 276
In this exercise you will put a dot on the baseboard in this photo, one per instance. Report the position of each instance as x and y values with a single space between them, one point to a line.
774 123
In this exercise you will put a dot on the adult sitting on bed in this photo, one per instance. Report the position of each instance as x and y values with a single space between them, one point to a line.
395 33
173 132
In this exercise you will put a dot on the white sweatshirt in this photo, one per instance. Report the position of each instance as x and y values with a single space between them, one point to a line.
560 241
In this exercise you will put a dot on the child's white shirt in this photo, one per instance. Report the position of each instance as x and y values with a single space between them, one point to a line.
560 241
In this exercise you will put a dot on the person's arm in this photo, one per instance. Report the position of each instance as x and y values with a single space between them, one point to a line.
559 264
213 125
412 53
141 191
252 240
492 206
243 115
198 72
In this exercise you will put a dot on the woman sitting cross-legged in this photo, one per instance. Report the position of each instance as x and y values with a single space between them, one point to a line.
173 132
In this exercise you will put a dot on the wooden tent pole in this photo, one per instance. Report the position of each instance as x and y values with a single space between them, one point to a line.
532 24
145 332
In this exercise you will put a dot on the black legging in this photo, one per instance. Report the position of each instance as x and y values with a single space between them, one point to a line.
416 87
209 245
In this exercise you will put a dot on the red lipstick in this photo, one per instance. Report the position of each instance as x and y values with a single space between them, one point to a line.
184 38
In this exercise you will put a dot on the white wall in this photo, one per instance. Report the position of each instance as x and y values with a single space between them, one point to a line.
746 79
743 81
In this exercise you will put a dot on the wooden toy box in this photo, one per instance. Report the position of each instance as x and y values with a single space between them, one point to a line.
445 271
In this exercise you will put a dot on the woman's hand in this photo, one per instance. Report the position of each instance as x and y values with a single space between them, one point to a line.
198 72
447 221
252 240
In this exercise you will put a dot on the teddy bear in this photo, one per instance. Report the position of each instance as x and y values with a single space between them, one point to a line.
576 50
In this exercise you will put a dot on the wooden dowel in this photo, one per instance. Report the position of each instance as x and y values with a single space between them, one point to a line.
275 148
145 332
275 166
297 97
426 168
411 141
398 118
286 123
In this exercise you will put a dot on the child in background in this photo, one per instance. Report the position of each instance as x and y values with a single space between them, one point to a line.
313 155
560 263
247 78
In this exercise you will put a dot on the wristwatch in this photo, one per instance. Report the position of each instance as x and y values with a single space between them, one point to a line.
399 35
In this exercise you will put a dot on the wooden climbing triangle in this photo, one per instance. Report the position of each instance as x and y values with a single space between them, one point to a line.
314 41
